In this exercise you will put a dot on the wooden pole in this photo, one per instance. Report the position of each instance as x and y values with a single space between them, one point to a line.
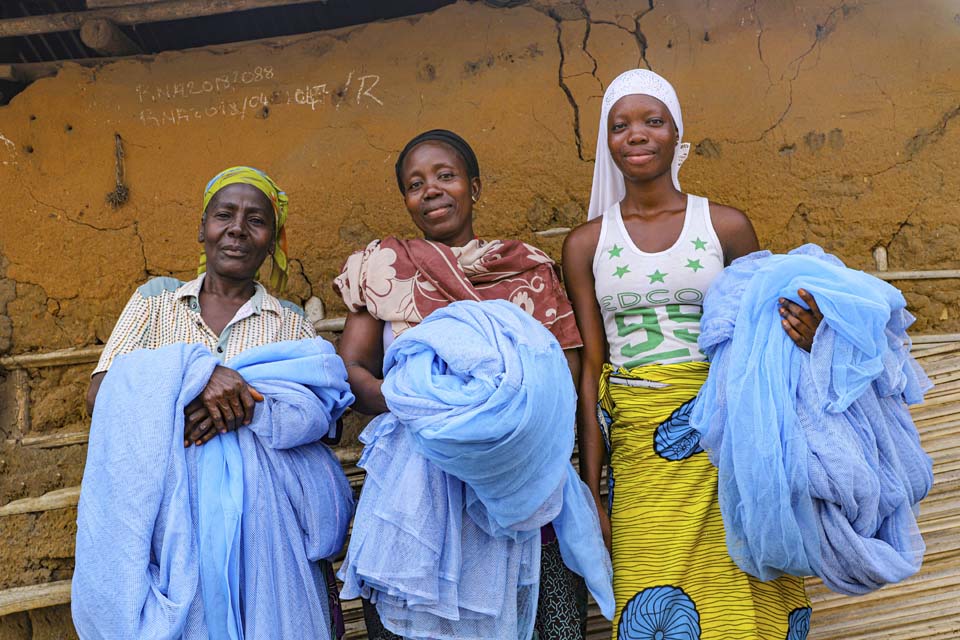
35 596
54 440
27 72
86 355
21 380
552 233
880 257
134 14
63 357
10 73
934 274
102 4
332 324
104 36
57 499
936 338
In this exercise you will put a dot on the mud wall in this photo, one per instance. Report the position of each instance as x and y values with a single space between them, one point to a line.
828 123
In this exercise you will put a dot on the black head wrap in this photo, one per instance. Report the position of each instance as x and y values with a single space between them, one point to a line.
447 137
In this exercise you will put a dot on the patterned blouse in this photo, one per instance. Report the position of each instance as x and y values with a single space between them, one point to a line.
167 311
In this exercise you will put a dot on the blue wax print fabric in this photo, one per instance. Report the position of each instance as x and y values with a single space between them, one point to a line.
472 459
218 541
820 465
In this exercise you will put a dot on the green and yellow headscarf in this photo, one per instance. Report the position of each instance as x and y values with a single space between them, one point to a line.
263 182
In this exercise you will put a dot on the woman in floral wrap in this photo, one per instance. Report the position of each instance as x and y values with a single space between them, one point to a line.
394 284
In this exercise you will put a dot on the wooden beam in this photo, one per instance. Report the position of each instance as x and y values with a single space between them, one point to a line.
134 14
27 72
102 4
104 36
553 233
87 355
936 338
54 440
69 496
331 324
22 384
917 275
36 596
58 499
63 357
10 73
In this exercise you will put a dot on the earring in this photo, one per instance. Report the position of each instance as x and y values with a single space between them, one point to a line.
473 199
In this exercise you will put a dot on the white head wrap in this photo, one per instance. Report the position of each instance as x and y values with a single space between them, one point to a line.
608 184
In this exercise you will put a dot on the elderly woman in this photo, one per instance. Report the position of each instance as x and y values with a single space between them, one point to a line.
224 308
226 321
637 273
394 284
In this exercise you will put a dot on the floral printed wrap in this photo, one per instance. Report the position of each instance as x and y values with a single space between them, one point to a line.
403 281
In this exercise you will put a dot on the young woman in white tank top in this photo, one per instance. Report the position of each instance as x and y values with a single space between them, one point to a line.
637 274
651 302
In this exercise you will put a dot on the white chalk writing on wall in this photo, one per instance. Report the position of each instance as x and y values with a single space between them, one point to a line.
234 108
230 95
230 81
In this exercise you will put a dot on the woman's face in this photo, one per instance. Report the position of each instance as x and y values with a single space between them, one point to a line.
237 231
439 194
641 136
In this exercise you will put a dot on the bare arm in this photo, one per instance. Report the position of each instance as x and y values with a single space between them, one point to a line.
361 347
735 232
573 362
578 250
738 239
95 381
225 403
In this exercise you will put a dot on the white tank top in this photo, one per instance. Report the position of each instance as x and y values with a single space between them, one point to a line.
652 302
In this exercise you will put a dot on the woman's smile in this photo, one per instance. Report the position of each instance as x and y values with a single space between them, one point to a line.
238 231
234 251
434 212
639 158
439 192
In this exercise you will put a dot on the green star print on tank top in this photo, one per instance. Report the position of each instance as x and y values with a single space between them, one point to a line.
652 302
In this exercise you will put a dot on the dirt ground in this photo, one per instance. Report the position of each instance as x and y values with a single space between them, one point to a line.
828 123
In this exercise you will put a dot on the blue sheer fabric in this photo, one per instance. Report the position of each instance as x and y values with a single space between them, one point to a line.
155 520
820 464
473 458
219 515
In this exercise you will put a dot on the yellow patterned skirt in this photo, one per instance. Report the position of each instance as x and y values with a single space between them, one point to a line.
672 576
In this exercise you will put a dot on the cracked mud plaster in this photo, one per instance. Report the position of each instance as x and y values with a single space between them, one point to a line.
8 291
52 623
827 122
523 78
579 33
